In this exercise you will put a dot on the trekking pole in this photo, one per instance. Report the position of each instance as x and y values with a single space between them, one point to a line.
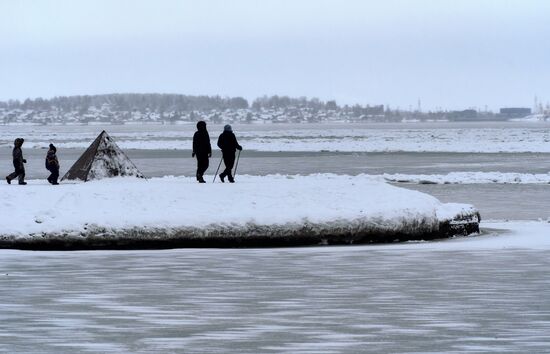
216 174
237 163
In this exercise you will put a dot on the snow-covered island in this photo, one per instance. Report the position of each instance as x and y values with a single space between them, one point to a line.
257 211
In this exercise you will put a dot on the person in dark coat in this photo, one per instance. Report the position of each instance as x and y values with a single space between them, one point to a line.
227 142
202 150
18 163
52 165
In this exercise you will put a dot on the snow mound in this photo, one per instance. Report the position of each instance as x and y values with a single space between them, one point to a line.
255 211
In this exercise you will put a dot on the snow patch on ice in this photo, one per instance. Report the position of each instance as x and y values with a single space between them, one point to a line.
469 178
496 235
355 139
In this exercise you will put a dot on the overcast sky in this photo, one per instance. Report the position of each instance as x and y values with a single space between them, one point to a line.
450 54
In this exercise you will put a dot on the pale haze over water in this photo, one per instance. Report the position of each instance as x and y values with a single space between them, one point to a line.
452 55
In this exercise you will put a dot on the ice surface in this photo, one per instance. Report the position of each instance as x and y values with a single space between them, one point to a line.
487 293
496 235
470 178
348 138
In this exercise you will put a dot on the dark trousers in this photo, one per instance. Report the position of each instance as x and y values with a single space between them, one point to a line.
229 161
54 175
19 172
202 165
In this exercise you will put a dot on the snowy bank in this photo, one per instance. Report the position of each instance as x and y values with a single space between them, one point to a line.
256 211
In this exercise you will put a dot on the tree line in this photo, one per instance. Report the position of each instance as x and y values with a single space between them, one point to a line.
164 103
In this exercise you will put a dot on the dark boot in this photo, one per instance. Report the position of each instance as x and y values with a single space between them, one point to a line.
201 179
23 183
231 179
222 177
8 180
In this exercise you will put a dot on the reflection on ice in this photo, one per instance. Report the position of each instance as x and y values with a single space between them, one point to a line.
470 294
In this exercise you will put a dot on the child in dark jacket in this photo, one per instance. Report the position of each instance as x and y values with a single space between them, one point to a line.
52 165
18 163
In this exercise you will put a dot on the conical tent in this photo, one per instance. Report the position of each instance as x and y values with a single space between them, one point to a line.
103 159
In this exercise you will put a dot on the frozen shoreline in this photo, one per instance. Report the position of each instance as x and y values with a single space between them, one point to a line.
495 235
256 211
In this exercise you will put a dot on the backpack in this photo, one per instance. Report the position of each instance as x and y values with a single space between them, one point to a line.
51 161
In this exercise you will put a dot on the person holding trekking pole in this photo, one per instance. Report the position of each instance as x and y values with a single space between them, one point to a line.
202 150
227 142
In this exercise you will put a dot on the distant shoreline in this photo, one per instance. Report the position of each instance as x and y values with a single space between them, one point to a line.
176 108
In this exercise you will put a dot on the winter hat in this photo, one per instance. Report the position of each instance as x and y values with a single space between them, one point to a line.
52 147
227 128
201 125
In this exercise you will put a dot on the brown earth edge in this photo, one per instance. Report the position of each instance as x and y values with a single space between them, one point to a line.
249 236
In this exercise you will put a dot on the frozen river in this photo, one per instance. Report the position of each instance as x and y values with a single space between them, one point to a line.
445 297
486 293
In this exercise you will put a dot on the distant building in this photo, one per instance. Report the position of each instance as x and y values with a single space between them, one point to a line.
515 112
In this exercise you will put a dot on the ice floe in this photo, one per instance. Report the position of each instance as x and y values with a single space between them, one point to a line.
338 138
469 178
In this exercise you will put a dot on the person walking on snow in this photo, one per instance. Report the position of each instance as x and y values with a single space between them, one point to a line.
202 150
18 162
52 165
227 142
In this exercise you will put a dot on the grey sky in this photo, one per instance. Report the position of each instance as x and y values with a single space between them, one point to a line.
450 54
